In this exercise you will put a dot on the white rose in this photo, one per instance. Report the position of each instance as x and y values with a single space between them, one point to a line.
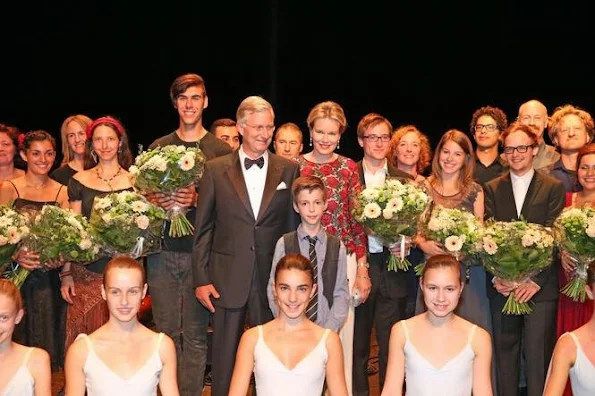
434 224
387 213
142 222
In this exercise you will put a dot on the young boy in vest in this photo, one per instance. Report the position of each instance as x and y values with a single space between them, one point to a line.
330 304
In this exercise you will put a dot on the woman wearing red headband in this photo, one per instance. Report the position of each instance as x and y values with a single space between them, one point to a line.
107 147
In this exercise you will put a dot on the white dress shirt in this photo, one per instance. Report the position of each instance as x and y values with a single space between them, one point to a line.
374 180
520 186
255 179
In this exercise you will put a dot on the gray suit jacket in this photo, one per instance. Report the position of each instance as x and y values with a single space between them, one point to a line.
229 243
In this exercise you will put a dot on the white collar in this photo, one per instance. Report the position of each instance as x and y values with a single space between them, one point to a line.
526 178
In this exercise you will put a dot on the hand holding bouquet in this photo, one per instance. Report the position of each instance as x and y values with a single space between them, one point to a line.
459 231
165 170
575 234
57 236
126 222
390 213
12 229
515 251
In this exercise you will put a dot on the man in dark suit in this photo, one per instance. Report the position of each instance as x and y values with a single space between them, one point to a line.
245 206
386 304
537 198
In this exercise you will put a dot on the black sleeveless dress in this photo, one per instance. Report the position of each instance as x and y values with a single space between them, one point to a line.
44 323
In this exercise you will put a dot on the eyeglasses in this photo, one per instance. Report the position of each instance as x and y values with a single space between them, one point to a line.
488 127
262 128
520 149
375 138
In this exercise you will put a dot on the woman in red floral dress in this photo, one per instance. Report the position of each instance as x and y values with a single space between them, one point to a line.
340 175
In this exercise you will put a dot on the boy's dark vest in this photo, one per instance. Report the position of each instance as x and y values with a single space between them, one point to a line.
331 261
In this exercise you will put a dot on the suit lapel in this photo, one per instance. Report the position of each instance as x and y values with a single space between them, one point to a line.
234 172
274 171
532 192
360 169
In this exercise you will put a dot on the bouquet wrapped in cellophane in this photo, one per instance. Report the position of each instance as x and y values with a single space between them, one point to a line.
165 170
458 231
390 213
57 235
515 251
575 235
126 223
13 227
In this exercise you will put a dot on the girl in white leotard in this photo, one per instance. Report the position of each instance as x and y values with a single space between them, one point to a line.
438 352
290 355
574 355
122 357
24 371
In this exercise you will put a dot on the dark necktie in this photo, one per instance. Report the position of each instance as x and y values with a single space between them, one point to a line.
311 311
249 162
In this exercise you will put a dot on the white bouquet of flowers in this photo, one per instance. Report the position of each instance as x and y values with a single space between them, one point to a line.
127 223
391 213
13 227
459 231
575 234
515 251
166 169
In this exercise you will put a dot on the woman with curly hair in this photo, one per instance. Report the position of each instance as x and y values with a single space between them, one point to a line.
410 151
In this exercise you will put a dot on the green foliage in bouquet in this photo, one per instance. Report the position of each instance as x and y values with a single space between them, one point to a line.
391 212
575 235
515 251
13 227
166 169
127 223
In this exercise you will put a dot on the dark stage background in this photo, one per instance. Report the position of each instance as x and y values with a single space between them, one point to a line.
426 63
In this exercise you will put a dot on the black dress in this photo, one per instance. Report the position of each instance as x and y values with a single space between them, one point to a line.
44 323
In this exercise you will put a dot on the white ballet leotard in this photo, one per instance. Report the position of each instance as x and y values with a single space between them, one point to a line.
22 383
582 373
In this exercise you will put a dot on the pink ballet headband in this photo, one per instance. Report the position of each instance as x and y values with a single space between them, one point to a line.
105 120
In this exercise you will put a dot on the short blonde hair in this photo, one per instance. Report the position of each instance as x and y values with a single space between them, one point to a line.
330 110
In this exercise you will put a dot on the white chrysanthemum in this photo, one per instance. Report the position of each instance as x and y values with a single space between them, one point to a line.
139 206
590 231
13 234
434 224
160 164
490 246
5 221
107 218
124 195
85 244
102 203
3 240
95 249
387 213
180 149
142 222
370 194
133 170
74 222
372 210
395 204
186 162
454 243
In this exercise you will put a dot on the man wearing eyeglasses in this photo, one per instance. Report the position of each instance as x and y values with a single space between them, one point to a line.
245 206
537 198
387 302
534 113
486 125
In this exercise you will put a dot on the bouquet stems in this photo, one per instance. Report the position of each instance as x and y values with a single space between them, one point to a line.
575 288
180 226
513 307
397 263
17 276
